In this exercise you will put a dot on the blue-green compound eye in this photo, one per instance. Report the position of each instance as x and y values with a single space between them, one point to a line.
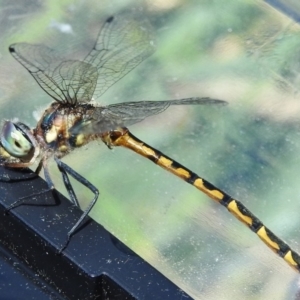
14 142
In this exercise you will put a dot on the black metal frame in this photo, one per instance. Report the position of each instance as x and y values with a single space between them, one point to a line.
287 9
95 265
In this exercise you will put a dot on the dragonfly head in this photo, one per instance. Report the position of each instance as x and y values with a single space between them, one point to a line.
17 141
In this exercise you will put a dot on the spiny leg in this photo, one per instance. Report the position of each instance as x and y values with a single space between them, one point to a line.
65 170
67 183
125 139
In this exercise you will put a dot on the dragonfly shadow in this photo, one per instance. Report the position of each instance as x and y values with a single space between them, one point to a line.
120 246
16 175
18 181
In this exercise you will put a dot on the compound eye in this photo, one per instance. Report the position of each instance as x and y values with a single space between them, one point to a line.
14 141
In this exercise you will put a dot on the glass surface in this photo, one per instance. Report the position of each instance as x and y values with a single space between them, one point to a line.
241 51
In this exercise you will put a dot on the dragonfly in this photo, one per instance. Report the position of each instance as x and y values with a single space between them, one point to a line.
73 120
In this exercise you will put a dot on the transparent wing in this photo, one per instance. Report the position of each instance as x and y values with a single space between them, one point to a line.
65 81
124 114
122 44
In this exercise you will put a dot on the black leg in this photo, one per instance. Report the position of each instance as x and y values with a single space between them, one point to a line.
65 170
67 182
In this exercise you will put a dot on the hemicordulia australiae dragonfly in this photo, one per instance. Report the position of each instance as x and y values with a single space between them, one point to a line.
72 120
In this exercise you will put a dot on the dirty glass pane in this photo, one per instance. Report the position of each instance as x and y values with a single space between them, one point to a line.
244 52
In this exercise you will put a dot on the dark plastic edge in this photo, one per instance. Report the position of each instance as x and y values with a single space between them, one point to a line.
95 265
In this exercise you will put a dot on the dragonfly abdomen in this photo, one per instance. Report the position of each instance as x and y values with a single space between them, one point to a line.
125 139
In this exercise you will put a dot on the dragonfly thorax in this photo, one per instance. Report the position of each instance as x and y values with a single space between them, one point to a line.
62 127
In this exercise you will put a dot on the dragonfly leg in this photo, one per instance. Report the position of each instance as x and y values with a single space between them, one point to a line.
67 183
65 170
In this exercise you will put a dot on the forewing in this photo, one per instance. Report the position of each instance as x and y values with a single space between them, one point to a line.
128 113
65 81
77 80
122 44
